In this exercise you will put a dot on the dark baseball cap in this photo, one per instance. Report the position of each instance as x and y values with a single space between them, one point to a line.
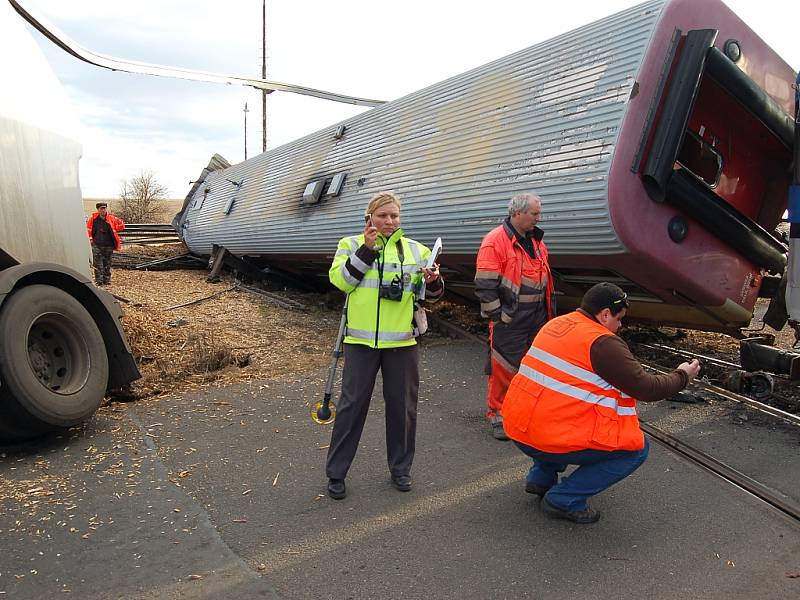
101 205
604 295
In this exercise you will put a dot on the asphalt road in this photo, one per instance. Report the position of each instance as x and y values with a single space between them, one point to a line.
220 494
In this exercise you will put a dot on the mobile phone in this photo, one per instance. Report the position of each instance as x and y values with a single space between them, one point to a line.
368 220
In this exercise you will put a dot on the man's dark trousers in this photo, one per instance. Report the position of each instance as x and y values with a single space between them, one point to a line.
400 370
101 258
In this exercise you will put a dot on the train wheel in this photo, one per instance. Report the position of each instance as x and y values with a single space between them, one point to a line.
53 362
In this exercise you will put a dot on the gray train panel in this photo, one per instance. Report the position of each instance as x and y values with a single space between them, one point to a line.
544 119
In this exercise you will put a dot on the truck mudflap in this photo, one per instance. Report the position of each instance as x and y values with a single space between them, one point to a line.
61 348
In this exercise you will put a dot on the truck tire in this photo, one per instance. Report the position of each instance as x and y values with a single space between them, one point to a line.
53 362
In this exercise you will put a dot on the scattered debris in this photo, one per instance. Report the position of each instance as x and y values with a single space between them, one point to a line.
685 397
757 385
177 323
203 299
272 297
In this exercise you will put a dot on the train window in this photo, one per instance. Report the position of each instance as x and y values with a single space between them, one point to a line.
701 158
199 200
229 205
313 192
335 187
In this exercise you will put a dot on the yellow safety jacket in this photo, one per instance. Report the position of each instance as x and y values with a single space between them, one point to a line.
371 320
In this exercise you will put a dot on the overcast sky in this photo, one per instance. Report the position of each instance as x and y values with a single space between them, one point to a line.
362 48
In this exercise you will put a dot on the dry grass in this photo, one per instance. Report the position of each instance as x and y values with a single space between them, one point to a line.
235 336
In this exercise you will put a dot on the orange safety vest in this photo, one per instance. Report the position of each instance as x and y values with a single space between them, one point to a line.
557 403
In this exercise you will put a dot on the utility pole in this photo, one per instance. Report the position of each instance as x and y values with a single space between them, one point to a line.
245 130
264 75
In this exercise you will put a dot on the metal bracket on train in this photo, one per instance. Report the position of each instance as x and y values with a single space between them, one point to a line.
758 355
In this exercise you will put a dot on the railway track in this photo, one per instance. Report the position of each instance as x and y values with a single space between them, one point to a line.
776 500
740 398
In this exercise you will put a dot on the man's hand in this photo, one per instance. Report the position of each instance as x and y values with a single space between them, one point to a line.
692 369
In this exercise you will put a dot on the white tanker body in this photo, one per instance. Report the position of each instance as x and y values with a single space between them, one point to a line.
61 343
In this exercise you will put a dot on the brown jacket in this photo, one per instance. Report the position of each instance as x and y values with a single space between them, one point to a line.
612 360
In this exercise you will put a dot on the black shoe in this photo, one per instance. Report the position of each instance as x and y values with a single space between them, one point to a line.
336 489
582 517
539 490
498 432
402 482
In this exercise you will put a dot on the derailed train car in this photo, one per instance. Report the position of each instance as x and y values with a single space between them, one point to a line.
659 139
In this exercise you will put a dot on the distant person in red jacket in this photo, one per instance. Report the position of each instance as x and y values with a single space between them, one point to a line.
103 229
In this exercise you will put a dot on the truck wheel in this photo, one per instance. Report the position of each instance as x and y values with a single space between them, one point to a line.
53 362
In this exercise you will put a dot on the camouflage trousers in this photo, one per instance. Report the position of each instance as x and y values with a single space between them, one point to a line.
101 259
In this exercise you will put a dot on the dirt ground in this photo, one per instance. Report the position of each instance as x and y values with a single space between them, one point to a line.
225 334
230 335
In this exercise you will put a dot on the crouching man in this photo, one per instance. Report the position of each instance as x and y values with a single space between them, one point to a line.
573 402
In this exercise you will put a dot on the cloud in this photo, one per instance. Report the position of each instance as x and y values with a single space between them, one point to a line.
358 47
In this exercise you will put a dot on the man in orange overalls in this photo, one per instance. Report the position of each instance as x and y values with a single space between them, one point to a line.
515 288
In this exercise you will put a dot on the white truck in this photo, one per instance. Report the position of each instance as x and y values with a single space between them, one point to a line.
61 342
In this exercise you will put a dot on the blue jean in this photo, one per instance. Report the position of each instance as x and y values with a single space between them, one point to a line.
598 470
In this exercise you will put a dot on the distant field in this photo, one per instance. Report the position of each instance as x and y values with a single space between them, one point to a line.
171 207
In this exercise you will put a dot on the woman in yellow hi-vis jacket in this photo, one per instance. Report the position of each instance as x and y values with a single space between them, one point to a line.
382 272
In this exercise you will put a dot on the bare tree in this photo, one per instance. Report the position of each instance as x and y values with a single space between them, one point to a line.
142 198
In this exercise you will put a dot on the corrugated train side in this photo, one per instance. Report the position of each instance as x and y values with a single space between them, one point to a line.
657 138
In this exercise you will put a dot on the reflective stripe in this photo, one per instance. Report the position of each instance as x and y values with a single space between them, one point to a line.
577 393
575 371
506 318
374 284
343 252
384 336
493 275
416 252
531 297
507 283
490 306
359 264
503 362
393 268
354 244
348 278
435 295
537 285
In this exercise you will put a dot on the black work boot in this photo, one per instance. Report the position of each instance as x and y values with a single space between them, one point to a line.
336 489
539 490
582 517
402 482
498 432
